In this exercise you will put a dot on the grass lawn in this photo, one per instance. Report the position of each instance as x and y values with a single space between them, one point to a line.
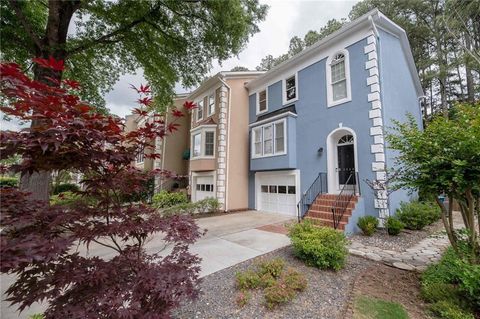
373 308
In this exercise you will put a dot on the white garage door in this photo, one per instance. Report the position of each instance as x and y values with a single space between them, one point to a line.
277 193
204 187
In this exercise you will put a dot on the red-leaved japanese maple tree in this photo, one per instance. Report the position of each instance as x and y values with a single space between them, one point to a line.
40 242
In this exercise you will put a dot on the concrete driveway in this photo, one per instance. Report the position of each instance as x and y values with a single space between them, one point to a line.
230 239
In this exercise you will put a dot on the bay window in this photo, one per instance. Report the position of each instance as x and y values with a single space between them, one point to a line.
203 142
269 139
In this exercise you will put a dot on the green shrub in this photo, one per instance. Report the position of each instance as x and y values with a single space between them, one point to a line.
267 280
64 199
368 225
182 209
208 205
165 199
274 267
242 298
321 247
278 294
247 280
453 280
416 215
36 316
6 181
394 226
447 310
65 187
295 280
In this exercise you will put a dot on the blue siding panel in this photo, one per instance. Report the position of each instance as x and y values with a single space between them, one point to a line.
399 97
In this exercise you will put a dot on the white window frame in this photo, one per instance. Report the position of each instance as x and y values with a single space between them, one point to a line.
202 131
284 88
258 101
198 119
274 147
328 71
212 111
140 158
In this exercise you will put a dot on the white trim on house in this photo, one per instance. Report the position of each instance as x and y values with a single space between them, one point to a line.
257 107
332 160
328 72
279 116
347 35
202 130
284 88
212 93
272 124
197 118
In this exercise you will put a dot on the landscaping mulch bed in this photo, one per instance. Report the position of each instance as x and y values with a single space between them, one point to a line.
406 239
327 295
390 284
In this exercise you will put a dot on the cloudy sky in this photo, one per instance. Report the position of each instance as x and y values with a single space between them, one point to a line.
284 20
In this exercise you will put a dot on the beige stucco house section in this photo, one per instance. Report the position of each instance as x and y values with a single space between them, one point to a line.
132 122
223 175
173 145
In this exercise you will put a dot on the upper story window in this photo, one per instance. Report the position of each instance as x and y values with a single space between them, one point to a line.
262 101
290 89
140 158
203 143
338 78
200 110
269 139
211 104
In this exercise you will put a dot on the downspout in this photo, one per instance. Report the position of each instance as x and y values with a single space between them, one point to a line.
228 139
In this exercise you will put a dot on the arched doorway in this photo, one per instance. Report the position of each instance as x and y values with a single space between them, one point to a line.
341 159
345 167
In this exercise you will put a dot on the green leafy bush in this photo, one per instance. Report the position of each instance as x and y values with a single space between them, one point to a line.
273 267
453 281
267 280
321 247
416 215
208 205
6 181
394 226
65 187
247 280
37 316
182 209
166 199
447 310
368 225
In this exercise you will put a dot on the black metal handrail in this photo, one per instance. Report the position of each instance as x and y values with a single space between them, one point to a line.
343 199
319 186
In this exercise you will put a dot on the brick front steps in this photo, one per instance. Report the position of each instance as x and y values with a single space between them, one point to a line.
320 212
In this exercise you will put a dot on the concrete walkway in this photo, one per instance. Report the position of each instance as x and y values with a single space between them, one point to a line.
416 258
230 239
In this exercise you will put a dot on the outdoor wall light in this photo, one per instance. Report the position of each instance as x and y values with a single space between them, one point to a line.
320 151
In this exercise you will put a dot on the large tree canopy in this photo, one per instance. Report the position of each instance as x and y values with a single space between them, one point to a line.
100 40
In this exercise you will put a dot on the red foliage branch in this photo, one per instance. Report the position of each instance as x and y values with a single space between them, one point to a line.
39 242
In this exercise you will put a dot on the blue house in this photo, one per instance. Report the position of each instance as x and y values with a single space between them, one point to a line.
317 124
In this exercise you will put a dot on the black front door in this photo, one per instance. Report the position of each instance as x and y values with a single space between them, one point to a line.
346 164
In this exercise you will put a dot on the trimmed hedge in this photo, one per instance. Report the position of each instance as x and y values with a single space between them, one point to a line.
322 247
65 187
394 226
6 181
166 199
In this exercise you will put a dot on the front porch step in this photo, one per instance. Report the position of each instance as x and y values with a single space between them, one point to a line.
320 212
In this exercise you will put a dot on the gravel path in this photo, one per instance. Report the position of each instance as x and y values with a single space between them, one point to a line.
326 296
406 239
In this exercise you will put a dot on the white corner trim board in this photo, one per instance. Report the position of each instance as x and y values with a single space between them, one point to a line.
376 130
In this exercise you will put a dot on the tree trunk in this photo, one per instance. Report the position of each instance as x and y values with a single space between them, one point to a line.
468 71
60 13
